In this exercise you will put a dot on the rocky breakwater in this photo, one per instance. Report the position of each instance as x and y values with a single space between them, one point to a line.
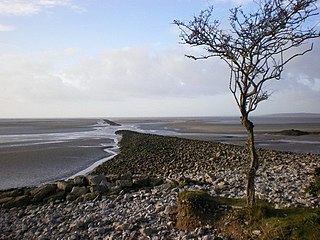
281 179
81 188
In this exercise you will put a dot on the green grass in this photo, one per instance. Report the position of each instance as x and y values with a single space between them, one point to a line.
282 224
291 223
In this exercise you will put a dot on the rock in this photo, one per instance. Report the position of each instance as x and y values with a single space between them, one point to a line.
126 176
80 181
103 189
124 183
140 181
221 186
6 199
17 202
146 231
210 178
41 192
60 195
78 191
256 232
71 197
12 193
112 177
96 179
64 186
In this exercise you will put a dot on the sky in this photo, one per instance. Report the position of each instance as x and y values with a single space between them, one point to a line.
122 58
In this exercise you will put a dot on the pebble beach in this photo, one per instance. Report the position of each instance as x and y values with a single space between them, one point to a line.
149 212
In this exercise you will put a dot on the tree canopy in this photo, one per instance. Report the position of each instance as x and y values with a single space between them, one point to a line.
256 47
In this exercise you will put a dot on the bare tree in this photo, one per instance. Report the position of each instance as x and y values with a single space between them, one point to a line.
256 48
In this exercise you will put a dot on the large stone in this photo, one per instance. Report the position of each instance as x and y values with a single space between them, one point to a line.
65 186
78 191
12 193
103 189
41 192
97 180
140 181
60 195
17 202
5 200
80 181
71 197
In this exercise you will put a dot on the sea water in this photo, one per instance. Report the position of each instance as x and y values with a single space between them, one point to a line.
34 151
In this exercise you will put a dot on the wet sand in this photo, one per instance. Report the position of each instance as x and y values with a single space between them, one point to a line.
264 134
229 130
36 126
47 162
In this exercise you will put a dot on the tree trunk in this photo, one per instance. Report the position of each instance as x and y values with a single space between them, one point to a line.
254 164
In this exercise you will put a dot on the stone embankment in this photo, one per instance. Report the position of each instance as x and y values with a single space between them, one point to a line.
133 196
281 179
80 188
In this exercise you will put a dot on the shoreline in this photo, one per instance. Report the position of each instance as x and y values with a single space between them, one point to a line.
264 137
149 211
197 129
48 162
112 150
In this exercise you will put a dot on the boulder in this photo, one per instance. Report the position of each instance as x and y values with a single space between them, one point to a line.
71 197
65 186
11 193
41 192
60 195
140 181
80 181
78 191
102 189
97 180
5 200
17 202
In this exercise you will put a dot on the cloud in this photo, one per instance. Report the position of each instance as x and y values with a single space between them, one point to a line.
140 82
31 7
142 72
6 28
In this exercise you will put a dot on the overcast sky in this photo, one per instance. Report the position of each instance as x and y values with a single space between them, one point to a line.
121 58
